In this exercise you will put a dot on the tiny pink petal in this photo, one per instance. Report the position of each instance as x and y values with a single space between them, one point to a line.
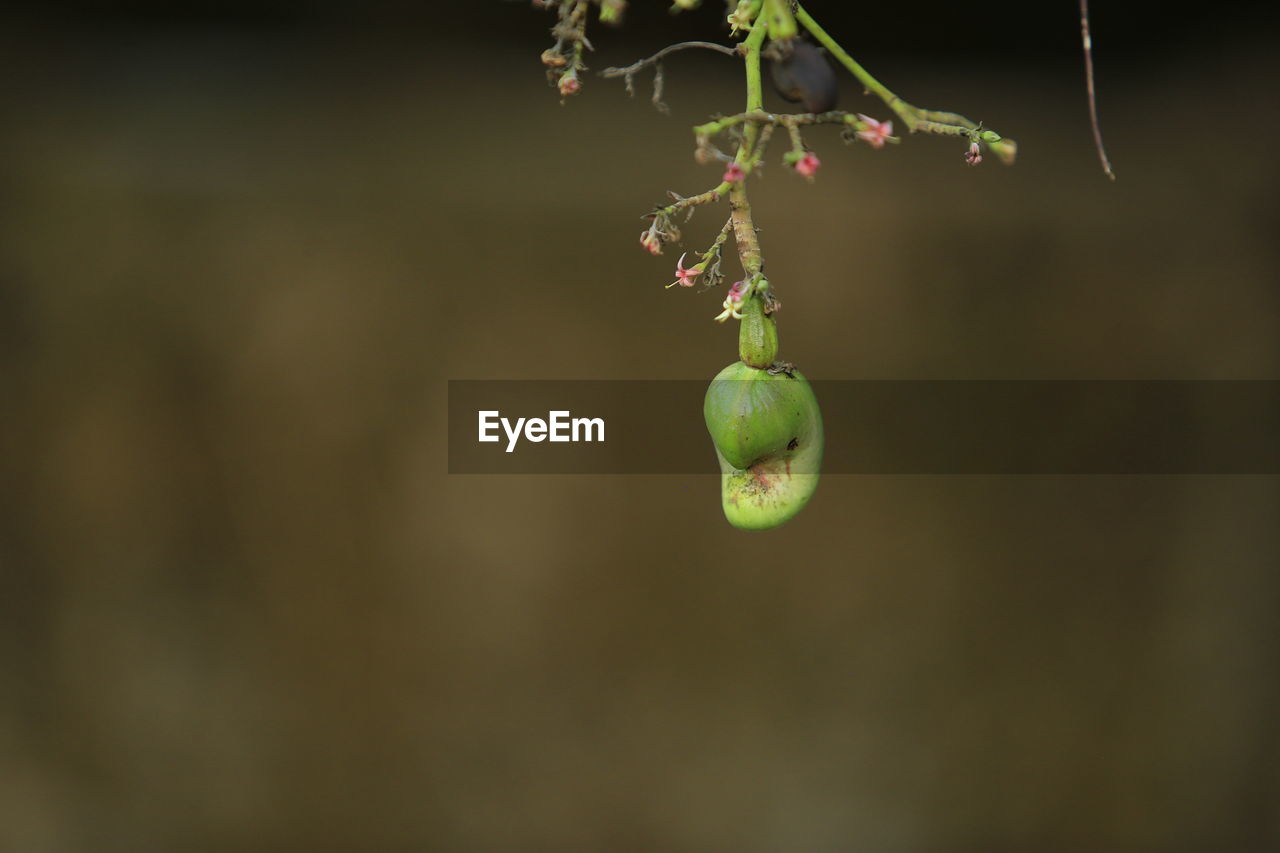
876 132
685 275
734 173
807 166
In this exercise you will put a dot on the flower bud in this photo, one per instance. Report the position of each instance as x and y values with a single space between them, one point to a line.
569 83
651 242
807 166
611 11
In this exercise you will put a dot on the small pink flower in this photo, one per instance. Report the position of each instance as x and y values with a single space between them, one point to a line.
569 83
685 275
808 165
650 241
733 302
734 173
974 155
876 132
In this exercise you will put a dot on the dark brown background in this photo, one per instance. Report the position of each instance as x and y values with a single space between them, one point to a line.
242 606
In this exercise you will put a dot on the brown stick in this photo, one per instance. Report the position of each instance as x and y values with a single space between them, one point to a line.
1088 81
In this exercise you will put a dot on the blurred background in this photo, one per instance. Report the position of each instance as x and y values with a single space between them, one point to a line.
242 605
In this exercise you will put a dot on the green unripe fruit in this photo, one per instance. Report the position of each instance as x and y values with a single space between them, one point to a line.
757 335
767 432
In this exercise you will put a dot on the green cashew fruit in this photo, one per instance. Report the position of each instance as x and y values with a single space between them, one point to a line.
767 431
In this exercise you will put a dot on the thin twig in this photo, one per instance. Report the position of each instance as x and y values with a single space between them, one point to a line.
686 202
760 117
1088 80
631 69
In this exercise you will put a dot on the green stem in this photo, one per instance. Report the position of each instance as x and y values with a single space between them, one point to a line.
904 110
916 119
714 194
744 230
781 24
755 93
787 120
757 333
747 150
